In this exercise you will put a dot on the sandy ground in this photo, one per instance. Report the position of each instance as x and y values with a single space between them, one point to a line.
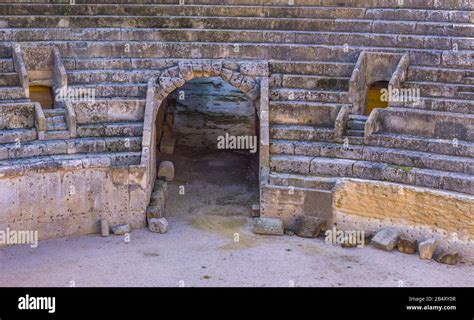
210 243
201 252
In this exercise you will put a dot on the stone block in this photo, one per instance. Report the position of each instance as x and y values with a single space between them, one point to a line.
427 248
268 226
167 145
447 257
121 229
104 228
386 239
159 225
166 170
407 245
308 226
154 210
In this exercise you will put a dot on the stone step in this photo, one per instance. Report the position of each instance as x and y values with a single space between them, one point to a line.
304 113
417 143
355 140
321 68
260 23
302 181
280 51
17 135
355 133
9 79
54 112
114 129
12 93
6 51
295 11
437 89
447 75
55 119
388 4
441 105
356 125
56 126
6 65
58 162
399 157
110 76
113 90
286 94
301 132
188 10
358 117
55 134
70 146
330 167
428 124
310 82
367 39
109 110
429 14
459 60
117 63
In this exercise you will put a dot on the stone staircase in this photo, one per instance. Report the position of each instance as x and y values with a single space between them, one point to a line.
355 129
312 48
56 126
10 88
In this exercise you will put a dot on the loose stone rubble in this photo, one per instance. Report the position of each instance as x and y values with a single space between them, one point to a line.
159 225
309 227
121 229
407 245
446 257
268 226
386 239
104 228
166 170
427 248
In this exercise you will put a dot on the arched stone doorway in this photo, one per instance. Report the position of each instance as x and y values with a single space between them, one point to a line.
251 77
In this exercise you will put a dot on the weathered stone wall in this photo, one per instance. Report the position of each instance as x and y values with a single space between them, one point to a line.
70 202
417 212
372 205
209 108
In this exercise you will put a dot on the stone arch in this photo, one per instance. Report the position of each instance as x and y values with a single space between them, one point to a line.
175 77
251 77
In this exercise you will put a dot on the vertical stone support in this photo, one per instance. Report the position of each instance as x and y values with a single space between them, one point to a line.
357 84
71 119
341 121
20 68
59 73
372 125
40 121
264 131
148 158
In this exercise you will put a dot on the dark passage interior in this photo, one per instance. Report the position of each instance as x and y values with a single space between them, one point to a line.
209 131
43 95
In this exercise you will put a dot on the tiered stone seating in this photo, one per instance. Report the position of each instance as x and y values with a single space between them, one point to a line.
10 88
312 48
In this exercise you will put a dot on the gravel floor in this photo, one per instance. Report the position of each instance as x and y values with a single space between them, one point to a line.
201 251
200 248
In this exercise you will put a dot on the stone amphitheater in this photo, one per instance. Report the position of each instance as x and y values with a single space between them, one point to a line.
306 65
